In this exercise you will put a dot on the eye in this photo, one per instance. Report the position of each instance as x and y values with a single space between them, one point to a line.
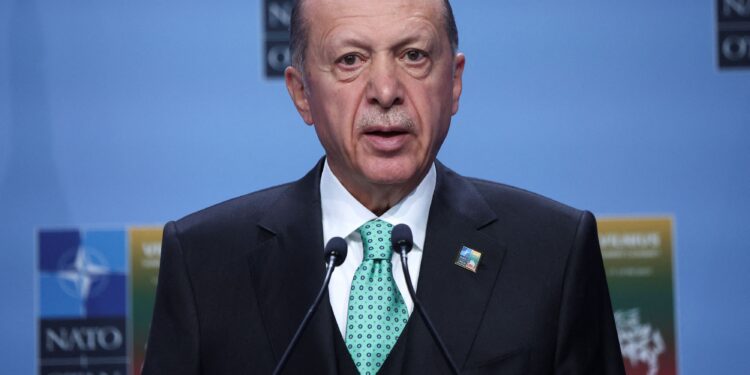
414 55
350 60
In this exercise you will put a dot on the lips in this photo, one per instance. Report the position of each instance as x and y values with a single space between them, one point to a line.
386 139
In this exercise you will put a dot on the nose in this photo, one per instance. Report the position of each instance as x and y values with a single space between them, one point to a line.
384 87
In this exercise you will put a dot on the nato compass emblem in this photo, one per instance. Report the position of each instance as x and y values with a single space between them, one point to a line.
82 301
89 269
82 274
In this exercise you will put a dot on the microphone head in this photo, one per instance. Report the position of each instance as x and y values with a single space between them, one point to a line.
401 238
336 247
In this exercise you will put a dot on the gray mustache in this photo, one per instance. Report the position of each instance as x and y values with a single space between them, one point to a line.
392 118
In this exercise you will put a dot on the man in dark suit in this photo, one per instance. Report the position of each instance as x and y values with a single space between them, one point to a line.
380 81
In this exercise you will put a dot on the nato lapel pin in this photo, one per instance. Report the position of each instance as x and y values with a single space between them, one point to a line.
468 259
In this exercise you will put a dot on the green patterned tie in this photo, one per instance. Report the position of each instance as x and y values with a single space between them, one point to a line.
377 313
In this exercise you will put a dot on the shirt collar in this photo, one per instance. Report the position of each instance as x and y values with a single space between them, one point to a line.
343 214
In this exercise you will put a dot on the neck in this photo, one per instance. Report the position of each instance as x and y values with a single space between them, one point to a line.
378 198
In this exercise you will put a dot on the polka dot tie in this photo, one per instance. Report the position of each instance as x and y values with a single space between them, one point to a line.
377 313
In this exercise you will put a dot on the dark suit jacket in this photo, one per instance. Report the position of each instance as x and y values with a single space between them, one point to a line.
237 278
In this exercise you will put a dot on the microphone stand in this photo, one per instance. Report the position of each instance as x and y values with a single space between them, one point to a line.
329 270
423 313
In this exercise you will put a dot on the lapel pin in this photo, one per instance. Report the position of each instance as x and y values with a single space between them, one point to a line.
468 259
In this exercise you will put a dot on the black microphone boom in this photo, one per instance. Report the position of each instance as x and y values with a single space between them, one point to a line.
402 242
334 254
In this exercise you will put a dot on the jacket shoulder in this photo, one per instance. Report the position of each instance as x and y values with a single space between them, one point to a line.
519 207
235 213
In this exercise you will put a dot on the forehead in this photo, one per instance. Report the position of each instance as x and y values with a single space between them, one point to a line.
326 16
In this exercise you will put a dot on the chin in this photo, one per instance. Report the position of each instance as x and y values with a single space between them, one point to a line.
391 174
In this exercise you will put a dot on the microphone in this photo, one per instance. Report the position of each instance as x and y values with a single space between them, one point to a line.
334 255
402 242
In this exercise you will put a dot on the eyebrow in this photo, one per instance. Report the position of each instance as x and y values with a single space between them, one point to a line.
364 42
416 37
349 40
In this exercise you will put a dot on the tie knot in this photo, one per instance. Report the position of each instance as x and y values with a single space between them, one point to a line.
376 239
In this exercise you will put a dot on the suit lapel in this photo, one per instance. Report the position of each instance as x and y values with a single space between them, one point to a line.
287 270
454 297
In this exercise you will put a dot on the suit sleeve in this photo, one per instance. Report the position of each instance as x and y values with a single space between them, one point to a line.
586 335
173 339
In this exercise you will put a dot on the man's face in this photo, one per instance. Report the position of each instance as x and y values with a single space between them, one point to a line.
380 86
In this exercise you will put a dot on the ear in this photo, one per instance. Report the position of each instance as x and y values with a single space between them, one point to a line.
458 71
295 84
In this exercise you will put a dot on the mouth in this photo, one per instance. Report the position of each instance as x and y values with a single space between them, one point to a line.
386 139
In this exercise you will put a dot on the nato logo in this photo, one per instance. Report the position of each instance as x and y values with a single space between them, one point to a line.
734 33
277 16
82 274
82 302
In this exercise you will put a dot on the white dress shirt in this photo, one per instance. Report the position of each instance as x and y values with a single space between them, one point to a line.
343 214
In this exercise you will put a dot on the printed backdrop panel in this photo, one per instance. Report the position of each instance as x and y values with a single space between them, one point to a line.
637 255
145 252
82 302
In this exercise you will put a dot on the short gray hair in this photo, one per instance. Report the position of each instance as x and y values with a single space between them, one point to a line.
298 30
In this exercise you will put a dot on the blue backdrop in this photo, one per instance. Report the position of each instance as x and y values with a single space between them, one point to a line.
137 112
